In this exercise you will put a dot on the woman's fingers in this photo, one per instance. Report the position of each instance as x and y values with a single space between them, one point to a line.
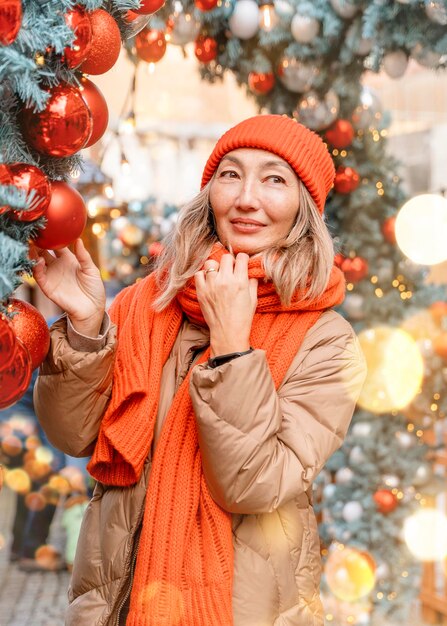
82 255
241 265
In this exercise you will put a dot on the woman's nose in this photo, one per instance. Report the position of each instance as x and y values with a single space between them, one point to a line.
248 198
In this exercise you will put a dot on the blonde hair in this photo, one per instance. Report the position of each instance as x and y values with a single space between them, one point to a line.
302 260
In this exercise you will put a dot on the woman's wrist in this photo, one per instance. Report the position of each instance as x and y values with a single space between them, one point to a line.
228 346
89 327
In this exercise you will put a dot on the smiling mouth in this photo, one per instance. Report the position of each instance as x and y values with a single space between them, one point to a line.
247 223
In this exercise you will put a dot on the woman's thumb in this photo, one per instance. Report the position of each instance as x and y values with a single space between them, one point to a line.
82 255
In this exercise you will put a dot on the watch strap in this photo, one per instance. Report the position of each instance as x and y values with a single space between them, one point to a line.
220 359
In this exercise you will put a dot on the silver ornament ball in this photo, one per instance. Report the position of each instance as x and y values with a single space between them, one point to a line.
316 113
304 29
295 75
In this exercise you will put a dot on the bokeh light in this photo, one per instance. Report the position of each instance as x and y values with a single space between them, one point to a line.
157 594
35 501
18 480
11 445
47 556
60 484
2 541
425 534
75 477
350 574
44 455
421 229
395 369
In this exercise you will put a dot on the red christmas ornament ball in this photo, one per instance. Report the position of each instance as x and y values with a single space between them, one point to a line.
150 45
354 269
149 6
385 501
15 379
66 218
31 179
440 345
31 328
389 229
7 342
205 5
79 22
106 44
340 134
438 311
205 48
63 127
10 20
261 83
346 180
338 259
155 249
5 179
97 106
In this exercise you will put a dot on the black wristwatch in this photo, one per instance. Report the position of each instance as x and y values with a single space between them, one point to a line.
215 361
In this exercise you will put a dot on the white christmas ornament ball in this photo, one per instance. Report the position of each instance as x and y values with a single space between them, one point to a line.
390 480
422 474
244 21
329 490
404 439
354 306
304 29
382 571
184 26
356 456
363 619
352 511
344 8
395 63
344 475
361 429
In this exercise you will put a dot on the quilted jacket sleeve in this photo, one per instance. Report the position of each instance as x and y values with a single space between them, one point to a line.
72 391
261 447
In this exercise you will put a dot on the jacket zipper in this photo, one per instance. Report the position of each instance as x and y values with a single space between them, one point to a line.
130 580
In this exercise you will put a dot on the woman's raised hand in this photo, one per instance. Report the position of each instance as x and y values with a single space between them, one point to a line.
228 298
73 282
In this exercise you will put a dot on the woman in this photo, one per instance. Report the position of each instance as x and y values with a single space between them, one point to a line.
230 386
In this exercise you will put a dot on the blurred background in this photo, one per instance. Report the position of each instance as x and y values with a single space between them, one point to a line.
370 78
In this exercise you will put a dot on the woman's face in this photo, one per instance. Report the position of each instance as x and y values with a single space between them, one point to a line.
255 198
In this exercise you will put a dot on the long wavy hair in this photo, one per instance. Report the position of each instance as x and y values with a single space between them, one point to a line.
302 260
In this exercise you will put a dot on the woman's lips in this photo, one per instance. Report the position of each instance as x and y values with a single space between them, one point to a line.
247 226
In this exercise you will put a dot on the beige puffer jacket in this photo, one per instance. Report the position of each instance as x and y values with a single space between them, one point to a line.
261 450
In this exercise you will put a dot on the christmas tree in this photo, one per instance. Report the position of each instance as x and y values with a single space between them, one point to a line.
300 58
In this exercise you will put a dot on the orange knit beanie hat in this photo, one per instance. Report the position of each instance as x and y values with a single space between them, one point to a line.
303 150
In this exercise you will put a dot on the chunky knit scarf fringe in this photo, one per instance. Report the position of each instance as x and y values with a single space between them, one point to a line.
184 568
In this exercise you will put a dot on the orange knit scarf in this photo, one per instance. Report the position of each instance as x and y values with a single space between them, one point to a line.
184 568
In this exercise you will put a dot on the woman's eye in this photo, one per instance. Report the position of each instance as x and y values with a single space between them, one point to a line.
276 179
228 174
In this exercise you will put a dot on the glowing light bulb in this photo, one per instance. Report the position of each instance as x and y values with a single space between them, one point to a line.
267 16
425 533
421 229
395 369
